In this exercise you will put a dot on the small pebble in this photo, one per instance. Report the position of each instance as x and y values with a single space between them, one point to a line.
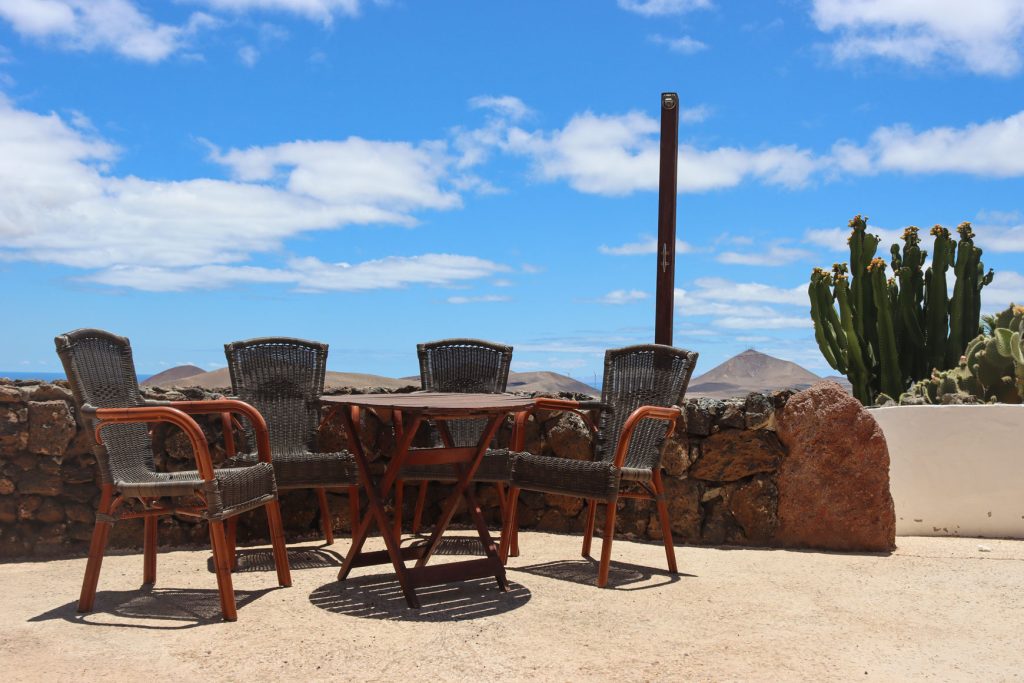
984 549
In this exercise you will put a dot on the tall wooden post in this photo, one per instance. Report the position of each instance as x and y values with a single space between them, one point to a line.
665 297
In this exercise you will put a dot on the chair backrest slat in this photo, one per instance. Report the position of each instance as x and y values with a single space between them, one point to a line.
101 372
634 376
283 378
464 366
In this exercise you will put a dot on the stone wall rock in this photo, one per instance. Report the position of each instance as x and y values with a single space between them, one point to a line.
723 471
834 481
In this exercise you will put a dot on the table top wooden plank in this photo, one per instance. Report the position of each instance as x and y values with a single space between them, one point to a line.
429 402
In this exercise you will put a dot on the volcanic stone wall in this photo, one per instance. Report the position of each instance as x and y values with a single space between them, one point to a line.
730 478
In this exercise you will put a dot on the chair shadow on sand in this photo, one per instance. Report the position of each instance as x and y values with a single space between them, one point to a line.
621 575
262 559
161 608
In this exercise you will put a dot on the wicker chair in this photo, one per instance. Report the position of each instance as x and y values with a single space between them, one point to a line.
642 384
101 372
461 366
283 379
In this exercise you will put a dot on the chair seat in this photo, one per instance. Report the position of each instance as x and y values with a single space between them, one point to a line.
496 467
305 469
583 478
232 491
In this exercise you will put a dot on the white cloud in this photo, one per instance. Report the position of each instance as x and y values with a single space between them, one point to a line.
507 106
652 8
618 155
486 298
991 149
622 296
684 45
775 255
249 55
647 244
720 289
318 10
696 114
738 305
835 239
59 203
984 36
307 274
384 178
1007 287
89 25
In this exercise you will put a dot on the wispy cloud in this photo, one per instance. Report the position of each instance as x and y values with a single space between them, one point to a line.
618 155
685 45
484 299
647 244
249 55
308 274
317 10
60 204
619 297
88 25
654 8
743 305
774 256
983 36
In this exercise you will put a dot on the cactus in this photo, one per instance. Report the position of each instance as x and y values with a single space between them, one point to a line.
891 333
965 306
991 370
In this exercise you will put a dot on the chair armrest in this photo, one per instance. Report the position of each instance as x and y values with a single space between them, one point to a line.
146 414
669 415
577 407
228 405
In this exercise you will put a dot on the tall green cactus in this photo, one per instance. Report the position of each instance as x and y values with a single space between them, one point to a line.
890 333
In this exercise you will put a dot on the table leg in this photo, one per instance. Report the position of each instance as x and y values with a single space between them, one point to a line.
466 475
376 508
485 538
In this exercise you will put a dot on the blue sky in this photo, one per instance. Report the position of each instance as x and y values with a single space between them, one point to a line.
374 174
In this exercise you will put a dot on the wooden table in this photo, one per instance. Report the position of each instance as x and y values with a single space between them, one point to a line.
409 411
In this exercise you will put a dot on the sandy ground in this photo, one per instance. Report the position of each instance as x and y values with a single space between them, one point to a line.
938 608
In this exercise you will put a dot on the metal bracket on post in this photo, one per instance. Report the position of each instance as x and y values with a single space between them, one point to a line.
665 297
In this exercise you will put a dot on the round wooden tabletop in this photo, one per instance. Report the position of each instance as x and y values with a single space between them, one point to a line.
436 403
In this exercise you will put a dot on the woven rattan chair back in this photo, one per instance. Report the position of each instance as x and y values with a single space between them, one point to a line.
634 376
464 366
101 372
283 379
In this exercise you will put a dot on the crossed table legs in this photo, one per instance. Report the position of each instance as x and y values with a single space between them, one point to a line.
466 461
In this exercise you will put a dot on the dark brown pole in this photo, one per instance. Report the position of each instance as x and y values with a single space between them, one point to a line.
665 297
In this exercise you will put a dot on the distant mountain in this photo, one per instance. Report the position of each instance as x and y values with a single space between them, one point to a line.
221 379
191 376
754 371
174 374
548 382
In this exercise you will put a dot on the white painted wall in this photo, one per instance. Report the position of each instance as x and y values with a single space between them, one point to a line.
956 470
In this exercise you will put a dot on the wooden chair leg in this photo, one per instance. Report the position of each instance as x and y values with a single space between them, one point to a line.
606 543
588 528
100 533
666 525
421 501
353 506
222 564
149 544
232 538
326 521
284 574
508 529
399 503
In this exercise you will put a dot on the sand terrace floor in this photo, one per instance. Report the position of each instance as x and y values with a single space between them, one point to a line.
937 607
